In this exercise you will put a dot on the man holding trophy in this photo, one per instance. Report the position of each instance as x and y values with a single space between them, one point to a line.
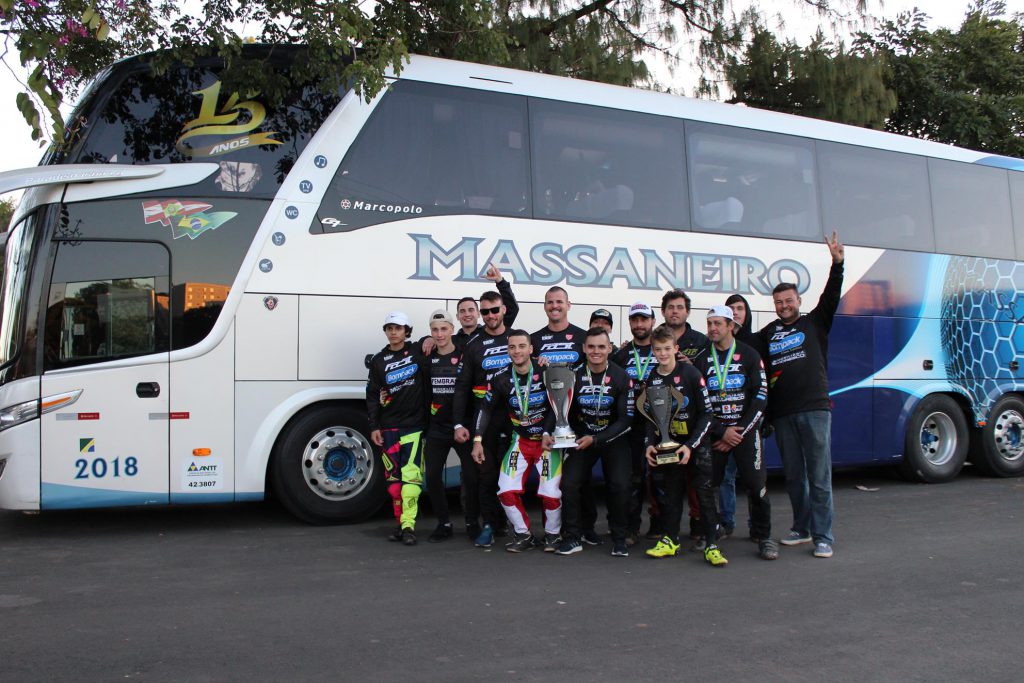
600 415
518 391
676 403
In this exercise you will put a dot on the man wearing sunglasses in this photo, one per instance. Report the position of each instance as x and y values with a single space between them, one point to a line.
483 357
468 314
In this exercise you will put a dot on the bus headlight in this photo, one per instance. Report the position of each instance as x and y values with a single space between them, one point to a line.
18 413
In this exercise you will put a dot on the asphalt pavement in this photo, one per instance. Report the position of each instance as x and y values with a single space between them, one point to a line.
925 585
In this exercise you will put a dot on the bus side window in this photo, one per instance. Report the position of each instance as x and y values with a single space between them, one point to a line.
107 300
1017 199
972 209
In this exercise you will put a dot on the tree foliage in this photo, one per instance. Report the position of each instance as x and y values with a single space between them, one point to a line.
964 87
822 80
65 43
7 207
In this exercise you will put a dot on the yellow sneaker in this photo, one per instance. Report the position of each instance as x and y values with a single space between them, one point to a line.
714 556
666 547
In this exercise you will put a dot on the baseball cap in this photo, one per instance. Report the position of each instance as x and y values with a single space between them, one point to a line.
604 314
396 318
443 315
640 308
720 311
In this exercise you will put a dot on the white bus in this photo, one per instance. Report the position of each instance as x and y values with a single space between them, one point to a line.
192 284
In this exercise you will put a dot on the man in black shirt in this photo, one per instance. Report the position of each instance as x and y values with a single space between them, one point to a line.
469 315
737 388
600 415
801 410
397 405
559 341
517 394
484 355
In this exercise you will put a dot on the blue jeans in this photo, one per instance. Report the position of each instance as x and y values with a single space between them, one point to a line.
805 444
727 495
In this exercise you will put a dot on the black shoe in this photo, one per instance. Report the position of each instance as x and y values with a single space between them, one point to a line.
396 535
654 531
619 549
520 543
408 537
569 546
725 532
591 538
442 533
551 542
472 531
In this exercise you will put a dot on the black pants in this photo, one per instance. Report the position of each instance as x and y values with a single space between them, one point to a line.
437 456
672 482
495 445
576 471
751 474
637 479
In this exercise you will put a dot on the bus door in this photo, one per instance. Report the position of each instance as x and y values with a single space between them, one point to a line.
107 336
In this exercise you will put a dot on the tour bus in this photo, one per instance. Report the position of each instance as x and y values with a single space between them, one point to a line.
192 283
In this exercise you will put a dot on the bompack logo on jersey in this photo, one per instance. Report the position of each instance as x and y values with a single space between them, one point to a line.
584 265
784 341
496 357
399 370
731 382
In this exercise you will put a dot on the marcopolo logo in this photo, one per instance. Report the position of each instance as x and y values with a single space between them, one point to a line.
360 205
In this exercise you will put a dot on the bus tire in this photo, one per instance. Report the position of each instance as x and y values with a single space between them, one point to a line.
324 469
936 442
1000 451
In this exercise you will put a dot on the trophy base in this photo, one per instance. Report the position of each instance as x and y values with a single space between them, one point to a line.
669 458
564 442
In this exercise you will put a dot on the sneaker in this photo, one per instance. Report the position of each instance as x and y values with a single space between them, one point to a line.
653 531
551 542
520 542
619 549
666 547
768 550
715 557
795 538
822 550
699 545
442 533
408 537
725 532
396 535
569 546
591 538
485 539
632 538
472 531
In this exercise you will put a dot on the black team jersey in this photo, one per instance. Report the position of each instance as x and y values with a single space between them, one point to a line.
694 419
522 398
797 361
602 404
559 347
483 357
740 403
460 338
443 370
637 361
691 342
397 389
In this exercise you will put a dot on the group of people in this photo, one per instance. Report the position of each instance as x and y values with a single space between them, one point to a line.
480 389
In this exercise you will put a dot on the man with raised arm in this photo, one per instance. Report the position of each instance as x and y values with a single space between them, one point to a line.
518 394
600 415
483 356
801 410
737 388
468 314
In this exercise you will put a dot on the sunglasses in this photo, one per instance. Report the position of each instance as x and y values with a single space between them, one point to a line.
490 311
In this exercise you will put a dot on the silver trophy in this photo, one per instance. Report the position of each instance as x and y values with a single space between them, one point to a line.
660 405
560 382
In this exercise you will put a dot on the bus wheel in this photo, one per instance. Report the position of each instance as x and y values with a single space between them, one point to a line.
936 442
1001 451
324 469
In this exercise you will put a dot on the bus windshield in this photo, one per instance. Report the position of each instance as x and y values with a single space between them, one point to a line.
16 267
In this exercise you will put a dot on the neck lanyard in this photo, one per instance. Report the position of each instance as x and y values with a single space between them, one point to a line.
523 395
722 372
604 387
641 369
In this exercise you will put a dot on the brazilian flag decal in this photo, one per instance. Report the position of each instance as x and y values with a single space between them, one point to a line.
87 445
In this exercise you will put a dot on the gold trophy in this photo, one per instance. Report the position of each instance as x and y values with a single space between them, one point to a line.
660 405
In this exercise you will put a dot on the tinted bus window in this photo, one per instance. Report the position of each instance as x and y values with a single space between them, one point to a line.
972 209
207 241
752 183
432 150
876 198
607 166
107 300
185 115
1017 199
17 267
